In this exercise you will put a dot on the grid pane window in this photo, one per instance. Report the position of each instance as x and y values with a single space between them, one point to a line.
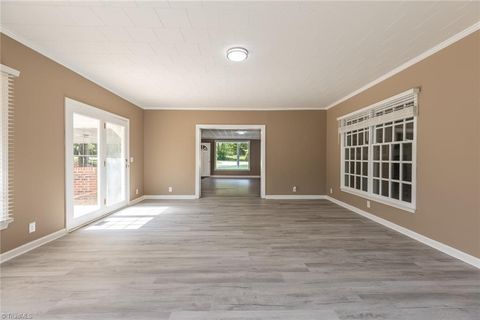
395 163
379 160
396 159
356 154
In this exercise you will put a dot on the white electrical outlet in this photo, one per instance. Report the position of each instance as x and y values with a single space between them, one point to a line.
294 189
170 189
131 159
32 227
331 190
136 191
368 204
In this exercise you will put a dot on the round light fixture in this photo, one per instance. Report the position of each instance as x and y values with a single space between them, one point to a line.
241 132
237 54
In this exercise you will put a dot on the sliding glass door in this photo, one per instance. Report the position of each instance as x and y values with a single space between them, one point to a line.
115 164
86 138
96 162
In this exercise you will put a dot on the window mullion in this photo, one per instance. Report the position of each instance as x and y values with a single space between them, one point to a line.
238 155
370 160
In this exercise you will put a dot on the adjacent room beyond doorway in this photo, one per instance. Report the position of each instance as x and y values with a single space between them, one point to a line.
230 163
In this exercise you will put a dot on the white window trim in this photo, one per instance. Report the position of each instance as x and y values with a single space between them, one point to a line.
6 214
409 207
4 223
232 141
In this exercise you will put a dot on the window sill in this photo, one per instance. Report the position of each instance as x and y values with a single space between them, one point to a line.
391 203
4 224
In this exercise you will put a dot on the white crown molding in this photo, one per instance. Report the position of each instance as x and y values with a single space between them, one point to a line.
169 197
409 63
31 245
231 109
56 59
295 197
465 257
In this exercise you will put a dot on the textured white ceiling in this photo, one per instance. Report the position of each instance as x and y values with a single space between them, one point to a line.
163 54
230 134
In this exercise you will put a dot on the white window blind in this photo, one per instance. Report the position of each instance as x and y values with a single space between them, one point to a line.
378 151
6 145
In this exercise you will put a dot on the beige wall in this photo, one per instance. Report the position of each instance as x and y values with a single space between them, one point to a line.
39 139
295 149
163 144
254 160
448 147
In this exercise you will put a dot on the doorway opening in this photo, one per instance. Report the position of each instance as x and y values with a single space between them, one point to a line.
96 163
230 161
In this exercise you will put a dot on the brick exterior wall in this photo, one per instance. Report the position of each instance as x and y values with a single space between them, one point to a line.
85 185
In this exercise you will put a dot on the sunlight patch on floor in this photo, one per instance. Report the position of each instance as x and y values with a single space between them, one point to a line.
124 223
141 211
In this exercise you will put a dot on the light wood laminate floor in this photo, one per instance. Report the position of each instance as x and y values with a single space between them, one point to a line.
238 258
230 187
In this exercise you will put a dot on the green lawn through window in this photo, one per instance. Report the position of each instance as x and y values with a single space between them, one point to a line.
232 155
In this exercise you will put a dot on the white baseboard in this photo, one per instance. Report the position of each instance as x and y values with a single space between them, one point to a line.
294 197
136 200
170 197
234 177
31 245
465 257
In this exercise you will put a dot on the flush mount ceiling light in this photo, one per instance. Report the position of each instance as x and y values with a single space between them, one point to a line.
241 132
237 54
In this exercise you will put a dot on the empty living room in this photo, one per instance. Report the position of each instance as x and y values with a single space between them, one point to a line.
240 160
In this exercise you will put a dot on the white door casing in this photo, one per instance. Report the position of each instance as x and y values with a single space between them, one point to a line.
198 154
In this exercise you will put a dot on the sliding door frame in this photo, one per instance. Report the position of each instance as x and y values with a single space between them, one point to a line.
71 107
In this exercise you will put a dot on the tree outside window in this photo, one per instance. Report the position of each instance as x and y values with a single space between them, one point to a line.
232 155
